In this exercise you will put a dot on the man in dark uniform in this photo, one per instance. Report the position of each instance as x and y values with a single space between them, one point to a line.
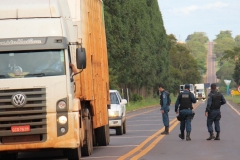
165 103
184 102
215 100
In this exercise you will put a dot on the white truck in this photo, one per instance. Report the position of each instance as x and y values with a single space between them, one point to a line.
191 89
200 91
42 104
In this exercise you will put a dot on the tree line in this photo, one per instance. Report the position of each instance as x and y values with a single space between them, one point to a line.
141 55
227 50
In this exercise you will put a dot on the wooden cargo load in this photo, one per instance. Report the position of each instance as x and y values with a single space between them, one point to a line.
93 83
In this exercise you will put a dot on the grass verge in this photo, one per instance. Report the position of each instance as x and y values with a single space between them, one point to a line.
234 99
146 103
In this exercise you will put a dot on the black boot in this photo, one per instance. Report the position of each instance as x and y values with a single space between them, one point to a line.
217 136
181 135
166 131
188 136
211 136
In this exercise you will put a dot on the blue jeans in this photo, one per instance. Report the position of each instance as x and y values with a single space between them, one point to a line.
214 116
186 113
165 117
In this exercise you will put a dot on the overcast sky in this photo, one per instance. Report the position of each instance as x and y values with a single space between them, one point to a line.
184 17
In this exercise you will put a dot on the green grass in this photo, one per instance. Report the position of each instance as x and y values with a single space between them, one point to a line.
148 102
235 99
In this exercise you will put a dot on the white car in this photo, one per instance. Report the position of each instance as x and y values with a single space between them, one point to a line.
117 113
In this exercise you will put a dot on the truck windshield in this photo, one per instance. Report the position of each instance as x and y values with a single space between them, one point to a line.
24 64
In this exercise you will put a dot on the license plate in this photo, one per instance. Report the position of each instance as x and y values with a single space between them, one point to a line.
16 129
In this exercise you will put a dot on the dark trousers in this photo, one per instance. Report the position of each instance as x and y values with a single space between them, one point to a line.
187 115
165 117
214 116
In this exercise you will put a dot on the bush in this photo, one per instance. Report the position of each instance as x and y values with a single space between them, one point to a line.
136 97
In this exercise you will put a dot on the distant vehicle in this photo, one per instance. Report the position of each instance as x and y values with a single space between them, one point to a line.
200 91
182 87
117 112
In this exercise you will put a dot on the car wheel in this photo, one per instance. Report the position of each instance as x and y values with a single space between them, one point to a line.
124 127
119 130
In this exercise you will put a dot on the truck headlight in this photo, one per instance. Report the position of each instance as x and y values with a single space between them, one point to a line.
61 104
113 113
62 119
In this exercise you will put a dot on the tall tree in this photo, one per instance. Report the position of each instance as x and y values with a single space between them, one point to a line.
184 67
196 43
233 57
224 41
137 43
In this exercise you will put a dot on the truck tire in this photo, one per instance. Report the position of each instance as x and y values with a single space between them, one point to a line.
72 154
8 156
87 148
102 135
124 127
119 130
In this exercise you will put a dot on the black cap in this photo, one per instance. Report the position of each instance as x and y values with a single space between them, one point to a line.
187 86
160 86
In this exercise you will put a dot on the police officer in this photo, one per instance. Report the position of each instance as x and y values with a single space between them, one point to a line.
184 102
215 100
165 103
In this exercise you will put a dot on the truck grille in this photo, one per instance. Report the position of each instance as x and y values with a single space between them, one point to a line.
33 113
199 94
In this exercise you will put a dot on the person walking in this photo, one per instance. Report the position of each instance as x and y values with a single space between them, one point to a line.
184 105
165 102
213 113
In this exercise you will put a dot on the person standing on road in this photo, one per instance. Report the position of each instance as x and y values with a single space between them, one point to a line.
184 104
165 102
213 113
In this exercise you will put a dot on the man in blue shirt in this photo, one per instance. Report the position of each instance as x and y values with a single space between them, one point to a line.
215 100
184 104
165 103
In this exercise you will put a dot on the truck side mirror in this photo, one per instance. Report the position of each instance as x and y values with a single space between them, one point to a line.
81 58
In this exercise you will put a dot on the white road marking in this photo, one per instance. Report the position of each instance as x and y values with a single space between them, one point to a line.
115 146
233 108
142 120
143 130
144 124
130 137
115 157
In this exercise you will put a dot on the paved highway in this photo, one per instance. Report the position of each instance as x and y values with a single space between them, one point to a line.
143 140
211 64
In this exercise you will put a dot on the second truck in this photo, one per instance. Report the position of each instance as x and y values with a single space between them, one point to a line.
43 104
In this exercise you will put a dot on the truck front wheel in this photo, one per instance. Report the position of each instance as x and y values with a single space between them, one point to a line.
72 154
88 140
8 156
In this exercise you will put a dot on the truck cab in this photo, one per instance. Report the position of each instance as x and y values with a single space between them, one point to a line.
200 91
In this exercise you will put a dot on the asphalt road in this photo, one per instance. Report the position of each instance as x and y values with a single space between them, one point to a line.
143 140
211 64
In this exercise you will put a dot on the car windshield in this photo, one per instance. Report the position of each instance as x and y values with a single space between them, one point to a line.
113 98
24 64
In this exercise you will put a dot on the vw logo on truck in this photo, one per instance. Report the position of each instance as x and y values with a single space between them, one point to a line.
19 99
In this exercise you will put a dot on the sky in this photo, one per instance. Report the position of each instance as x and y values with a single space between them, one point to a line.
184 17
